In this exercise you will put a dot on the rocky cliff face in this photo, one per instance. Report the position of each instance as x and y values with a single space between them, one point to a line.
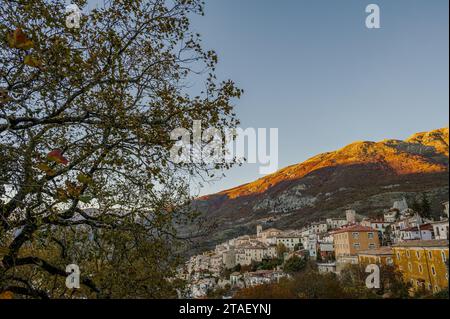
366 176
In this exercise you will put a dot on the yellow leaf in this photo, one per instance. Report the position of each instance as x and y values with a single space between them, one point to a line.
32 61
45 168
85 179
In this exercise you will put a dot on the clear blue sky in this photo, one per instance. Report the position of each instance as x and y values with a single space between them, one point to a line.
312 69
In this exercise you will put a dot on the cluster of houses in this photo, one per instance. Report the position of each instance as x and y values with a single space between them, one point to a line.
416 245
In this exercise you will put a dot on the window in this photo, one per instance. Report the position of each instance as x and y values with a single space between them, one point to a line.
418 254
355 235
420 268
370 235
398 255
430 255
371 246
409 266
408 254
356 245
444 257
433 270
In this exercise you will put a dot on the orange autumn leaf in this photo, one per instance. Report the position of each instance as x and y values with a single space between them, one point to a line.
56 156
17 39
6 295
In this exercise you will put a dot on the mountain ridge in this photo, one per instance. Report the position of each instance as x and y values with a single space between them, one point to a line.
364 175
317 161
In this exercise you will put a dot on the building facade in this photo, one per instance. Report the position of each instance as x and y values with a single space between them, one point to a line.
379 256
351 240
424 264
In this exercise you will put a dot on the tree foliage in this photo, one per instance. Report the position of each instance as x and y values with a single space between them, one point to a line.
350 284
294 264
85 122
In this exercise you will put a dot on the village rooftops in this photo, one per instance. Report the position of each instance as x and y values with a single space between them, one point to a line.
373 220
252 245
353 228
423 243
271 230
262 273
422 227
377 252
289 235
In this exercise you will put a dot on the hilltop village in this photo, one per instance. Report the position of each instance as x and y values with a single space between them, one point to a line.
417 246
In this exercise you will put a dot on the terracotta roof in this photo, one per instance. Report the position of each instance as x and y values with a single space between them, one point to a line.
378 251
354 228
422 227
423 243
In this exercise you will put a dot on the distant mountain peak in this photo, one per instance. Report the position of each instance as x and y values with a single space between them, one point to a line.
421 153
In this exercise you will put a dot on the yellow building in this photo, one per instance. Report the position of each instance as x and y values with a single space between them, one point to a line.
423 263
379 256
353 239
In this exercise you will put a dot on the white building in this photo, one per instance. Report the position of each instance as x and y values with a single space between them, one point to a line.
262 277
379 225
289 241
391 216
335 223
405 223
318 228
350 216
254 251
200 288
326 267
422 232
446 208
311 246
440 229
236 280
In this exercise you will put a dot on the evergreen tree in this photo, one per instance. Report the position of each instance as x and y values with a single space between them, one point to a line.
319 256
425 207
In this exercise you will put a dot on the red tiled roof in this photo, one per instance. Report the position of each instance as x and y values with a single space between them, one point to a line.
422 227
354 228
